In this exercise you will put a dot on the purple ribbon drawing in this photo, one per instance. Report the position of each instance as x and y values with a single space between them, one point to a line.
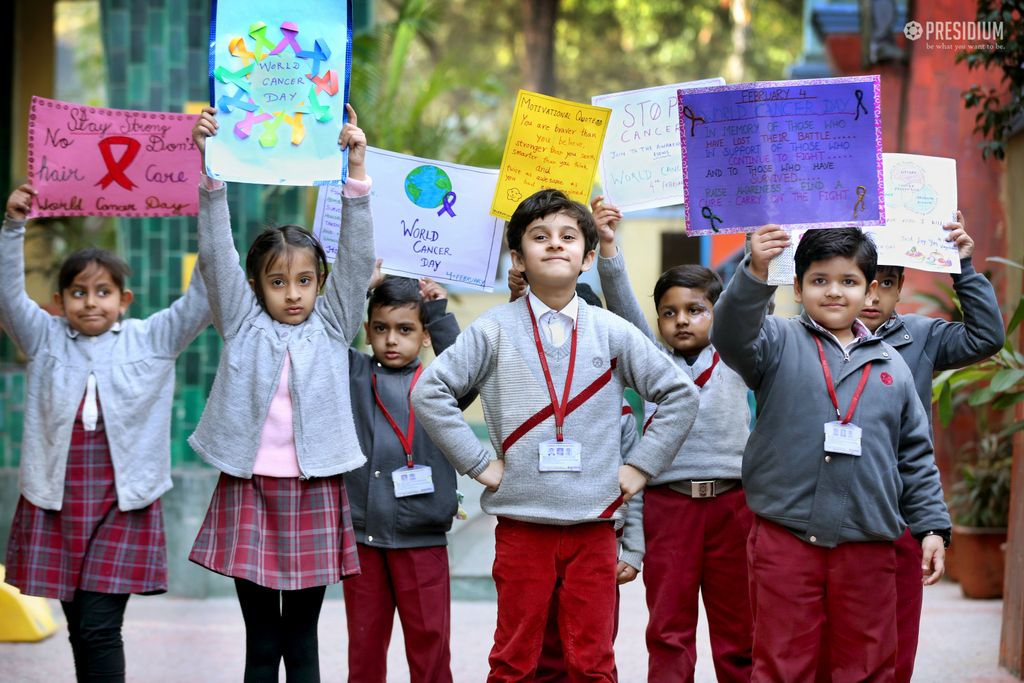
448 204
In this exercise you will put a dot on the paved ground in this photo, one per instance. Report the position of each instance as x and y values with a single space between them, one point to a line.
171 640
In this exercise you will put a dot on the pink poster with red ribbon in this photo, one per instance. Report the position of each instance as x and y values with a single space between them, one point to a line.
90 161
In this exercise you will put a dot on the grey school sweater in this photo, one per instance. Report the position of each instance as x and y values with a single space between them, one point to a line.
714 447
134 368
497 354
249 371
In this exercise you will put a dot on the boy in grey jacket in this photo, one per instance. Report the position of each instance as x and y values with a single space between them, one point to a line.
700 492
930 345
840 455
559 482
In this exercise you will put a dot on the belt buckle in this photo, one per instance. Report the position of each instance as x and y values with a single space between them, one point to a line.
703 489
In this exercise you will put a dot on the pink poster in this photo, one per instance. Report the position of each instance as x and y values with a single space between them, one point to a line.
90 161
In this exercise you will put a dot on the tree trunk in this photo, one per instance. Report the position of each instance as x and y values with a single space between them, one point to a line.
539 18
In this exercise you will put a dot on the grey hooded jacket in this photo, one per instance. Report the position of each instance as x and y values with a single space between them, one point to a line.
827 498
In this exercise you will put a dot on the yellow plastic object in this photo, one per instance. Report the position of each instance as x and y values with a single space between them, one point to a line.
23 618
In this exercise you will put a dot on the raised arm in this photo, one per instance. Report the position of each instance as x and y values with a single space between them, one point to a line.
981 333
435 399
345 292
176 326
227 288
442 326
619 294
20 317
742 331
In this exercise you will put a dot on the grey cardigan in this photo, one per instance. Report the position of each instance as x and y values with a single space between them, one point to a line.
134 368
827 499
251 361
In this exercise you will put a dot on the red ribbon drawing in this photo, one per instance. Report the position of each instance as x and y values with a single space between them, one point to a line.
116 168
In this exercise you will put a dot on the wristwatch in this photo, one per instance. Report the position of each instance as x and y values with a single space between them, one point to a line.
944 534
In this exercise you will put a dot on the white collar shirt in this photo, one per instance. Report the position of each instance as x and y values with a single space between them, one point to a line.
555 326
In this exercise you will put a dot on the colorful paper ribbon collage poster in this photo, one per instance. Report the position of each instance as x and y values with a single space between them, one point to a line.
279 78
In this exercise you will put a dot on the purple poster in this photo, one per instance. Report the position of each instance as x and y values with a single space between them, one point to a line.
796 153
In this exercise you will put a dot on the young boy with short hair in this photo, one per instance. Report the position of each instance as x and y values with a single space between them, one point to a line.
839 456
930 345
695 519
403 499
551 371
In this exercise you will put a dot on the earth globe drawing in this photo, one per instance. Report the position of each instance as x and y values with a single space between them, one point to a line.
426 186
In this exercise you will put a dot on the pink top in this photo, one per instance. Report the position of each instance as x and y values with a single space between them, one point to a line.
276 456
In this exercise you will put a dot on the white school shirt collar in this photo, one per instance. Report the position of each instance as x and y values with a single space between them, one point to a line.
556 326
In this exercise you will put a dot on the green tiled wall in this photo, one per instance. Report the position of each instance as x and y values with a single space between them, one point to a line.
12 413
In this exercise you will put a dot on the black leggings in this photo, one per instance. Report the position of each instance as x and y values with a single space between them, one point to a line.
94 625
280 624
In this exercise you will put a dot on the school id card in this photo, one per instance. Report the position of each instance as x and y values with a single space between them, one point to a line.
413 481
561 456
842 438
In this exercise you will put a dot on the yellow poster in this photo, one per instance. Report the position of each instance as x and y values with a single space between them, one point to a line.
551 143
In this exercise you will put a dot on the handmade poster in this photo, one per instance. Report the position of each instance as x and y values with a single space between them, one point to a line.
90 161
430 218
640 167
920 197
782 268
551 143
279 77
797 153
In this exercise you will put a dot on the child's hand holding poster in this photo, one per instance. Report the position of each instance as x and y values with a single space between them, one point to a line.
794 153
920 197
430 218
279 77
640 167
551 144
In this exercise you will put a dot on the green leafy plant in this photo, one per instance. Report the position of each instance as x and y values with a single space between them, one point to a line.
1000 111
982 497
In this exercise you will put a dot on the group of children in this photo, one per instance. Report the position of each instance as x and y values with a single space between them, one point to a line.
808 537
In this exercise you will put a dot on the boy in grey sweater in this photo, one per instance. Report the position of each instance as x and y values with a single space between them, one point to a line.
701 490
559 483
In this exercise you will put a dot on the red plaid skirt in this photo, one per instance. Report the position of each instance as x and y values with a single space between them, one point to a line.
88 544
282 533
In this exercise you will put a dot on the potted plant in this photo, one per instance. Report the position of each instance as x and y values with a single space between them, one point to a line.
981 509
980 501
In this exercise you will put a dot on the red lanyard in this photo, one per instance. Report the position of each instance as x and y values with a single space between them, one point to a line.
559 409
832 389
703 378
405 439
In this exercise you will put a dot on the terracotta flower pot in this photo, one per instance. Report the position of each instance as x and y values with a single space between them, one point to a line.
979 561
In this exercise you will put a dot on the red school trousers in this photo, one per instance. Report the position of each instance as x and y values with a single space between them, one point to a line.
415 582
532 562
697 546
794 585
909 601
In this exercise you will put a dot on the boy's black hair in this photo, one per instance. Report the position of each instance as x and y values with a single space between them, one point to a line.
276 242
895 270
821 245
80 260
544 203
587 293
692 277
398 291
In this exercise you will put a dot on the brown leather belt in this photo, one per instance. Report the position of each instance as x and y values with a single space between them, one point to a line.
703 488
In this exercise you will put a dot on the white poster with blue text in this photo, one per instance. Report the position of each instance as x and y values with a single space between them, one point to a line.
640 161
279 78
430 218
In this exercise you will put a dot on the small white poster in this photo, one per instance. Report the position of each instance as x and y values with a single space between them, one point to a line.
430 218
920 197
640 162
